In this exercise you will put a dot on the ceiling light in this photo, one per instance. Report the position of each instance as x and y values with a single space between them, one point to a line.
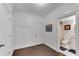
40 4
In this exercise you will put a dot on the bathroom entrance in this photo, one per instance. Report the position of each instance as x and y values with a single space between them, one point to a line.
67 39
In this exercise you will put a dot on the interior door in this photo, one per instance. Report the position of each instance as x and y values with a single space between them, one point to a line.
5 31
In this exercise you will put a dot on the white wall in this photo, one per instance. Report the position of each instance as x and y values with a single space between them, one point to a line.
5 30
51 38
28 30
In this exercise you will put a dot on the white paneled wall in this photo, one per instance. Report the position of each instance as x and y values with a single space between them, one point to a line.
51 38
29 30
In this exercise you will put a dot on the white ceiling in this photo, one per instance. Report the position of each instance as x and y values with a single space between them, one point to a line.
32 8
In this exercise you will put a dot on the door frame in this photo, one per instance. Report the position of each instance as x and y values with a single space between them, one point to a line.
60 19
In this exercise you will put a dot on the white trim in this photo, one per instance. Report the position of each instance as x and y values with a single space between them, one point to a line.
25 46
11 53
51 47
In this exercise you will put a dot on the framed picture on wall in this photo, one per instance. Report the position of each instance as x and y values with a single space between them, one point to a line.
67 27
49 28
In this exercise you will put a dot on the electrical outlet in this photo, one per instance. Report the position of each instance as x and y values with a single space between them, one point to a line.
9 36
9 52
9 19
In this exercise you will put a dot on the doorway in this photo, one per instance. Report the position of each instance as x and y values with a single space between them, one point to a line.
67 40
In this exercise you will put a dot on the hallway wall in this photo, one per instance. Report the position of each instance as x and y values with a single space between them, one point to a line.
28 30
51 38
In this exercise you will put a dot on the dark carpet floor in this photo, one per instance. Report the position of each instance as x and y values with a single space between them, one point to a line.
38 50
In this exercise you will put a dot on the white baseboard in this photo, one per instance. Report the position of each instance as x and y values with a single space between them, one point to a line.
11 53
51 47
33 44
24 46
